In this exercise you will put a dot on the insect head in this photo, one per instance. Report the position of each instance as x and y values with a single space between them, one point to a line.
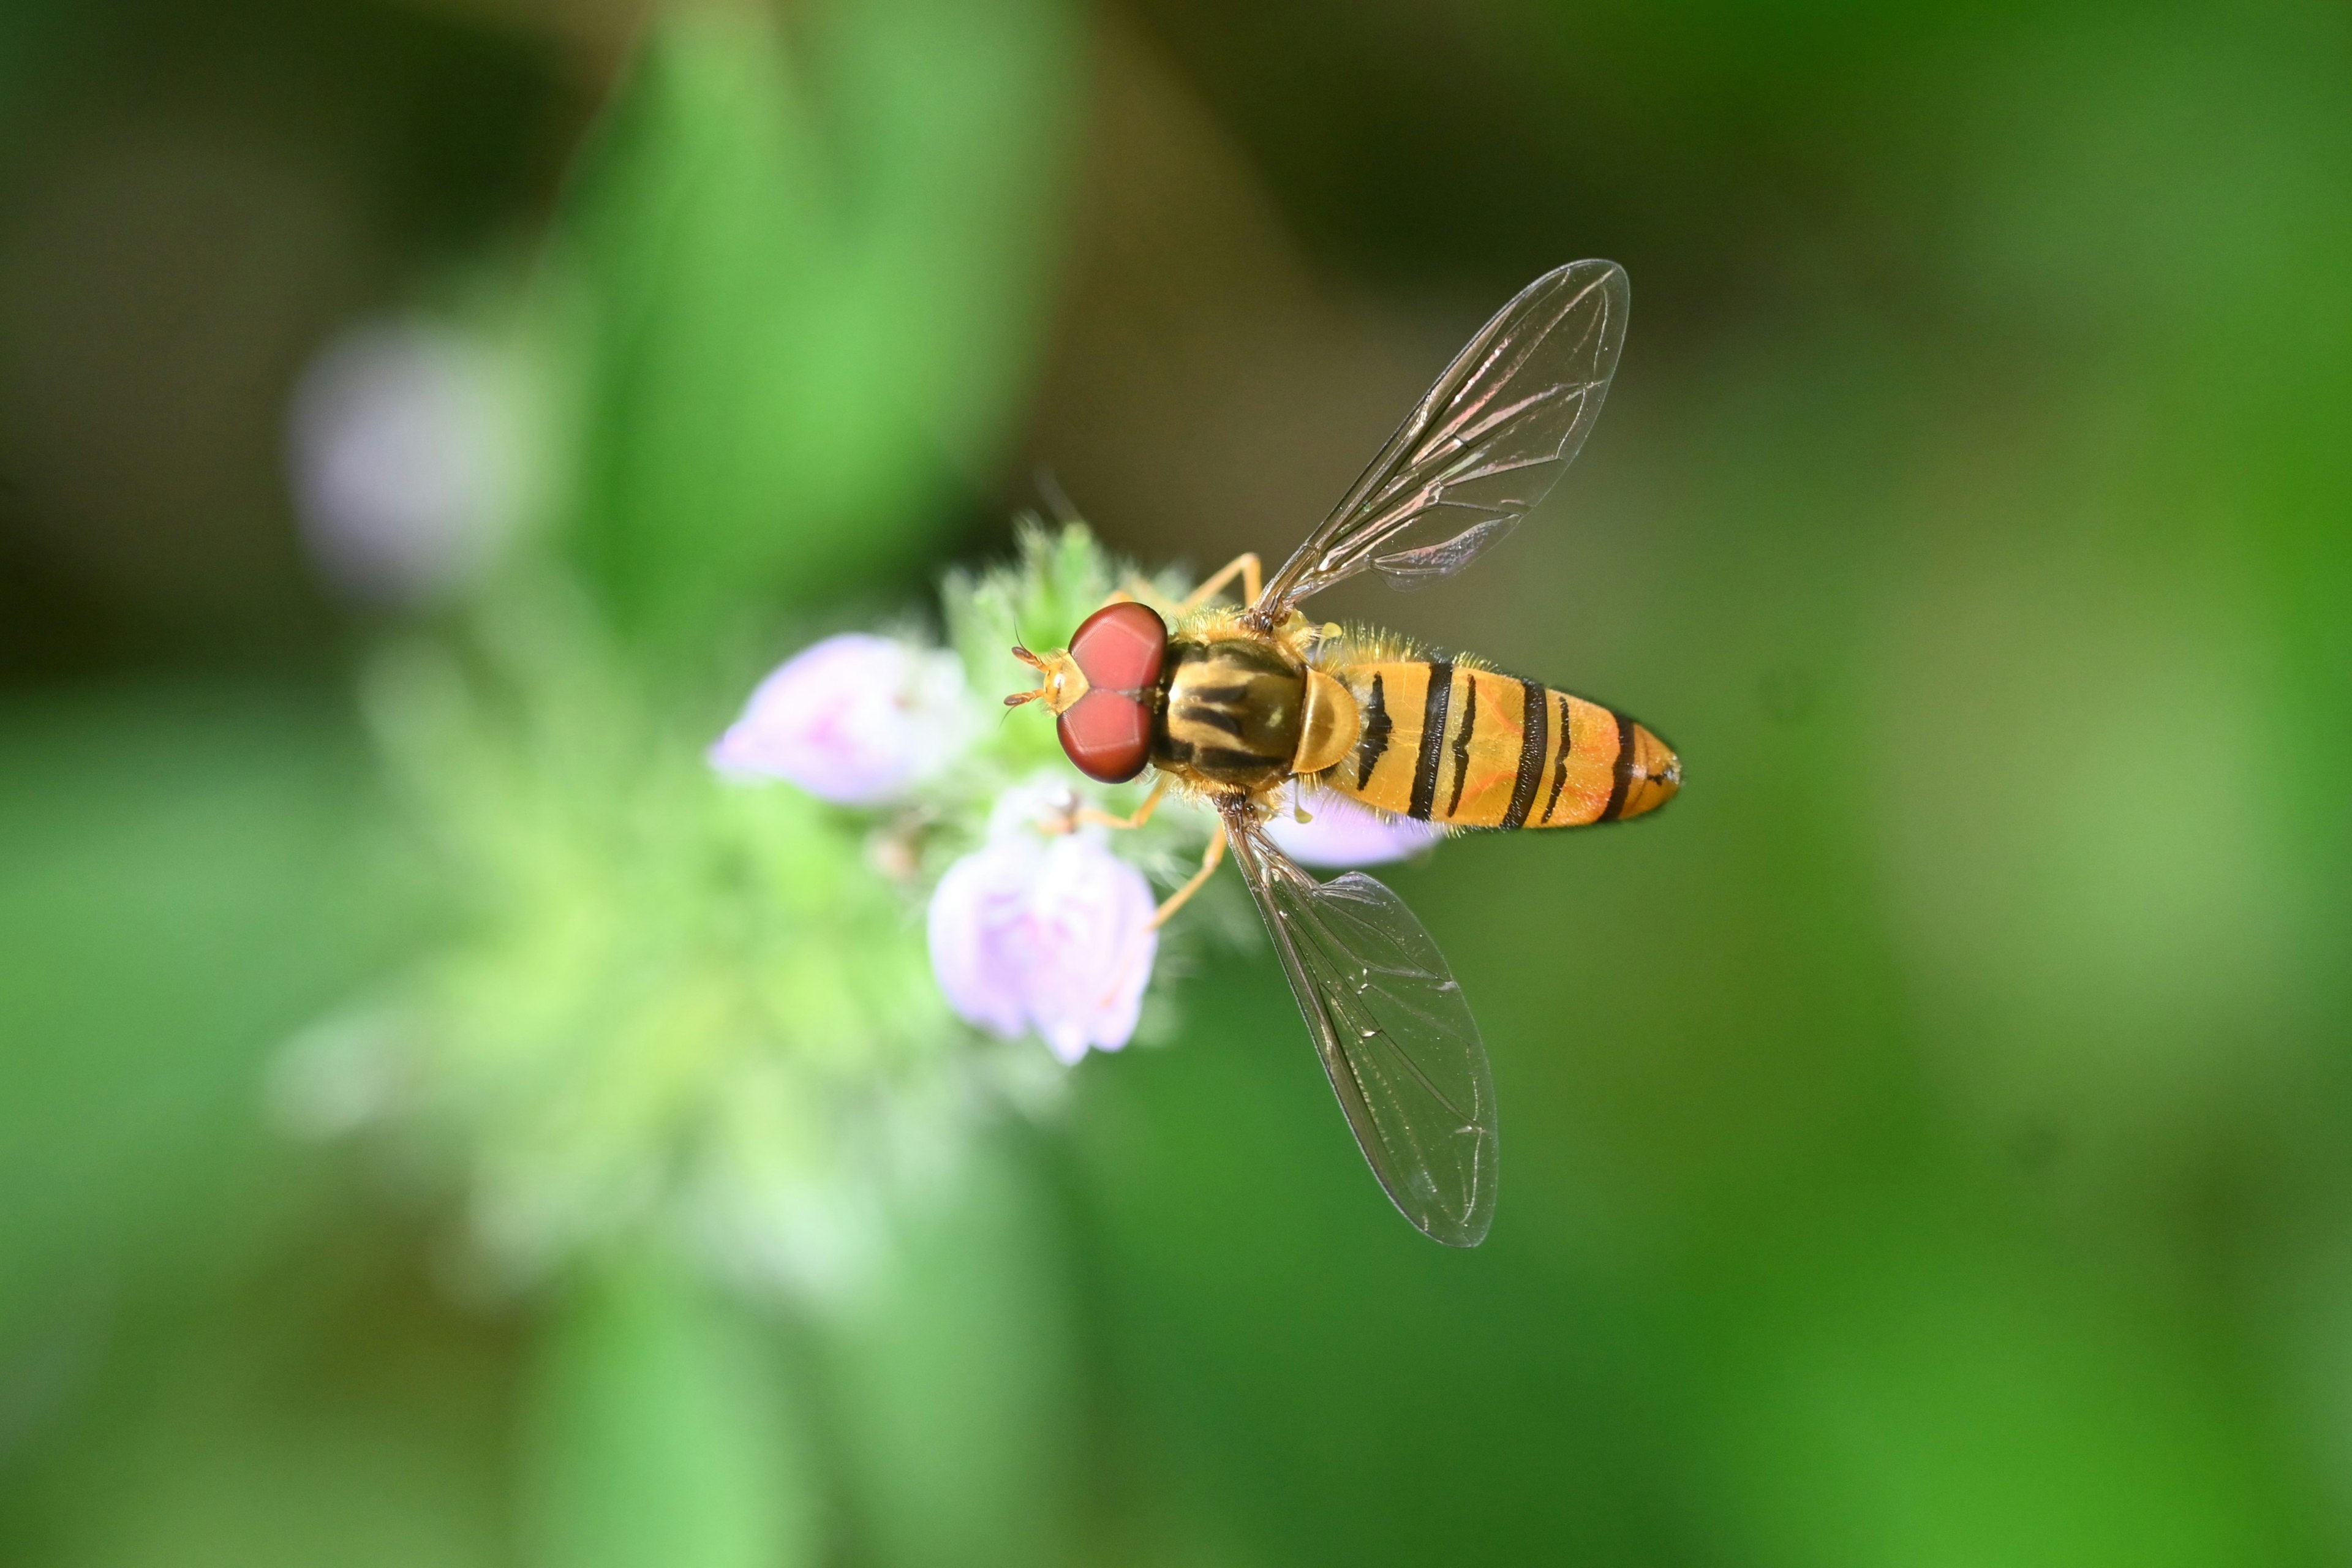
1104 688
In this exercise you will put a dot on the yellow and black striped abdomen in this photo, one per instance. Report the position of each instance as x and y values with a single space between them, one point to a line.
1474 748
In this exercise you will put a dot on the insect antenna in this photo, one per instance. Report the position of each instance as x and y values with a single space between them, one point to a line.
1021 652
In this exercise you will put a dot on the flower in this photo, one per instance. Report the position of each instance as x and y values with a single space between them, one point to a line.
1341 833
855 719
410 458
1051 935
704 1014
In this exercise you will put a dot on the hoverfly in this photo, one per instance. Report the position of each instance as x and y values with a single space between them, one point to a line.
1229 705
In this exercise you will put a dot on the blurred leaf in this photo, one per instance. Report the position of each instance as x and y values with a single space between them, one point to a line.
956 1397
318 1408
657 1433
179 891
955 122
1284 1348
1898 1392
790 346
705 249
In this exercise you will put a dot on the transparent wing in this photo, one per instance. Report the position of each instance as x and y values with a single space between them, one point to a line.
1483 446
1393 1031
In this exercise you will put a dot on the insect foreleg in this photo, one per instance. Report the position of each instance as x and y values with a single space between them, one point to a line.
1176 899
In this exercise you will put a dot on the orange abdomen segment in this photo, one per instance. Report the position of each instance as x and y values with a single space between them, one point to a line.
1473 748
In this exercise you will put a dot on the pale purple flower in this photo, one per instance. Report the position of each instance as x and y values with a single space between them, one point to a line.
1052 935
855 719
409 454
1343 833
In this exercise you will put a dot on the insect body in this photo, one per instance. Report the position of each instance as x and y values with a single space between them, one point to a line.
1248 712
1230 705
1453 742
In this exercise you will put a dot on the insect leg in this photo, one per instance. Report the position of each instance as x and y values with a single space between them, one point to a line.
1139 590
1098 819
1245 566
1176 899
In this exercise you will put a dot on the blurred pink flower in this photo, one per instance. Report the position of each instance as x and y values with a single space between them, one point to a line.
855 719
1051 935
1343 833
411 460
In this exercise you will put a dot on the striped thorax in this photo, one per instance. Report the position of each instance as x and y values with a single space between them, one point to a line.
1234 712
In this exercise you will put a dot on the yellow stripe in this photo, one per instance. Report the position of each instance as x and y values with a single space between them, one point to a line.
1591 765
1474 786
1403 693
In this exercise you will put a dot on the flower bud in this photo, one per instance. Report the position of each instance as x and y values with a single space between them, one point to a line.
1053 936
855 719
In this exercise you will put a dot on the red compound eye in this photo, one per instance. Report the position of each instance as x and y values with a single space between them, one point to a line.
1121 646
1109 735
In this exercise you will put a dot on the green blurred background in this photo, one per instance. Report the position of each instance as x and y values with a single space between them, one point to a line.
1928 1142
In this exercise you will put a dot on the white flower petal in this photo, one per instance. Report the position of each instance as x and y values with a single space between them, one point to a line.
974 924
1092 948
1051 936
855 719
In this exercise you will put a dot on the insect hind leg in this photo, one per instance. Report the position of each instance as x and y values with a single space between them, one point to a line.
1141 590
1245 566
1209 858
1209 861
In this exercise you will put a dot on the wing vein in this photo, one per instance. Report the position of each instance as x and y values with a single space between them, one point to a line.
1503 422
1392 1027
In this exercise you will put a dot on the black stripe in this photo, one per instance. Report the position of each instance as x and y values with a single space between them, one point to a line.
1196 712
1375 744
1218 693
1189 754
1559 769
1534 733
1433 739
1624 780
1462 741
